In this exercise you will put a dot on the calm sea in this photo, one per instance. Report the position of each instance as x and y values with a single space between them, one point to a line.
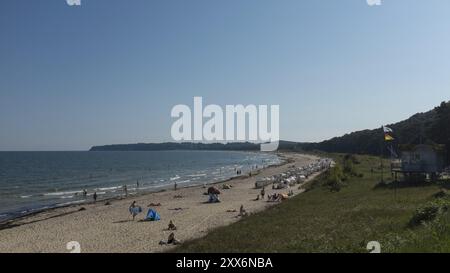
31 181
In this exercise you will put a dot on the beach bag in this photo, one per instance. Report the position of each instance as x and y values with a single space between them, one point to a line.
152 215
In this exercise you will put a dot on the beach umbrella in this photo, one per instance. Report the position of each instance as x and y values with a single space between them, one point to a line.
213 190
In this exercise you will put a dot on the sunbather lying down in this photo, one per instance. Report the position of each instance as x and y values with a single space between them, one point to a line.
178 196
170 241
177 209
277 197
274 197
154 205
227 186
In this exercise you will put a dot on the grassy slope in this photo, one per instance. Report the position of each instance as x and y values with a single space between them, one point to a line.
345 221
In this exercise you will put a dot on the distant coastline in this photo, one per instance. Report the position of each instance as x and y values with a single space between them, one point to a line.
234 146
244 146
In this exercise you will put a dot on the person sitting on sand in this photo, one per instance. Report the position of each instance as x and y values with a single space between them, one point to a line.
171 226
242 211
170 241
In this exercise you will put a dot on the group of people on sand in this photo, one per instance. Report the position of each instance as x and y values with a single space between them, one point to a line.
278 197
95 195
275 197
134 210
171 240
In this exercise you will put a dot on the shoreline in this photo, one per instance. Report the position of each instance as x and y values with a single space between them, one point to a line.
40 228
17 215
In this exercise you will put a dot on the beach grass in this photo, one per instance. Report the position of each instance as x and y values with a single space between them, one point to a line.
338 216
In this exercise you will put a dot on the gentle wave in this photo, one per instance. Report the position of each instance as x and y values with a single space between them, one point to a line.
62 193
174 178
197 175
110 188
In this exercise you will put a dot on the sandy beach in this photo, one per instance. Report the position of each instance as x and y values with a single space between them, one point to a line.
110 228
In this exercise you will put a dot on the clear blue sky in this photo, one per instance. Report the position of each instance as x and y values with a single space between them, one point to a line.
110 71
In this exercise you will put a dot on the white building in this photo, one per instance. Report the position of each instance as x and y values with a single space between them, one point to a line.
428 159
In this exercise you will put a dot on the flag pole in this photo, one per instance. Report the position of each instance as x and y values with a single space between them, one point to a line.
381 156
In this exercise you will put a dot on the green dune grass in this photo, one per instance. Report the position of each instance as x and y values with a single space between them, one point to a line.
342 218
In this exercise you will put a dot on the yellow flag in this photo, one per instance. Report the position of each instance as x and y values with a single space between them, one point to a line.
388 137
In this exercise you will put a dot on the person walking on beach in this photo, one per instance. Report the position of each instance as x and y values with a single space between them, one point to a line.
175 186
95 197
137 184
263 192
125 190
84 192
242 211
134 210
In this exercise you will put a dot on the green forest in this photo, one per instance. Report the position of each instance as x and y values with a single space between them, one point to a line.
432 127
